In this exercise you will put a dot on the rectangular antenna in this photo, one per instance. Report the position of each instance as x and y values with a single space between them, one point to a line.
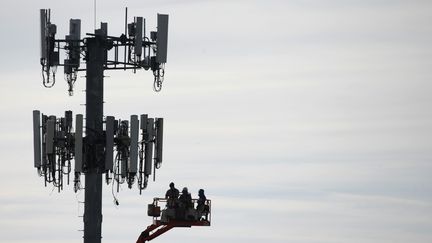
75 29
43 26
123 131
159 139
109 146
103 31
78 142
126 34
123 164
143 124
68 120
51 123
44 125
144 29
138 35
148 135
67 64
162 38
75 36
36 139
133 154
104 28
43 34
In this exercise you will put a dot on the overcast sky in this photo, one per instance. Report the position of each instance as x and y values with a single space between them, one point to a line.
304 121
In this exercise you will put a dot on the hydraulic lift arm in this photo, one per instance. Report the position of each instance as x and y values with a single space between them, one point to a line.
164 224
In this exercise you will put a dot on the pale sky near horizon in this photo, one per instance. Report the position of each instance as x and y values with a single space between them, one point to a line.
305 121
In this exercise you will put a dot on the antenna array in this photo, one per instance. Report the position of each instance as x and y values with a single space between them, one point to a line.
140 50
126 151
135 144
60 144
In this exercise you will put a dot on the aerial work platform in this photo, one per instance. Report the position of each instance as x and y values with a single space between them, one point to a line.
170 218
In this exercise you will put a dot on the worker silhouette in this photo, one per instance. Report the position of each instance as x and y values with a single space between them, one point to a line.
185 205
202 208
172 196
185 199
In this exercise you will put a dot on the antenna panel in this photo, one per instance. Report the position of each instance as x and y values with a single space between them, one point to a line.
133 161
143 124
44 154
138 35
52 55
74 36
36 139
52 30
131 29
43 34
148 147
68 120
123 132
50 135
78 142
109 146
162 38
150 129
54 58
159 139
103 31
144 29
75 29
67 65
123 164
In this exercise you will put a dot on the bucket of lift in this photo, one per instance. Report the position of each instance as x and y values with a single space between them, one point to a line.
153 210
171 217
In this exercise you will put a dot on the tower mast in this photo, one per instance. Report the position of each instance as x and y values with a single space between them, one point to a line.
55 142
94 127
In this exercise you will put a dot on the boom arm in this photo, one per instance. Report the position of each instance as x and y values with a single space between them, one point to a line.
159 226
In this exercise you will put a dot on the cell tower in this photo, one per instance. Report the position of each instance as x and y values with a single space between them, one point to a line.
136 143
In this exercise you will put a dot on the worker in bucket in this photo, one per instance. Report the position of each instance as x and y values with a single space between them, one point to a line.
172 196
186 199
202 209
186 210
